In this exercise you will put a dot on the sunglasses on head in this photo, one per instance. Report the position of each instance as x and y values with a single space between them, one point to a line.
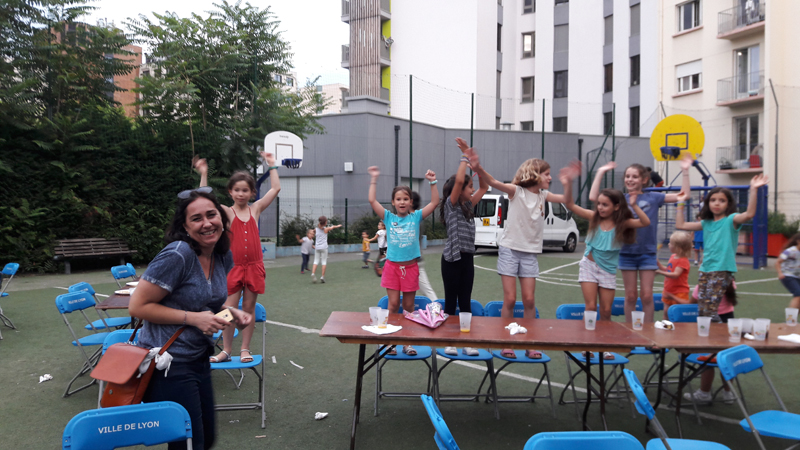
203 190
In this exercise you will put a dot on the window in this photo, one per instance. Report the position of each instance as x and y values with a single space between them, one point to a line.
636 20
607 121
559 210
747 137
561 1
527 89
634 130
486 208
528 6
747 69
635 70
560 124
690 76
609 30
499 37
277 78
609 77
289 81
526 126
527 45
561 43
689 15
560 84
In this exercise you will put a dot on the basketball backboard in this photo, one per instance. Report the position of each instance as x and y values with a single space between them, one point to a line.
676 135
287 148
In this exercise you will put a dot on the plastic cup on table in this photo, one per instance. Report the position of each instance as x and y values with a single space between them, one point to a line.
703 325
747 325
373 315
734 330
465 320
590 319
768 322
638 319
760 329
791 316
383 318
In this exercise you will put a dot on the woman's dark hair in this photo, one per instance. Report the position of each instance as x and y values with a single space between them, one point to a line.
793 241
241 175
447 190
176 231
706 214
622 234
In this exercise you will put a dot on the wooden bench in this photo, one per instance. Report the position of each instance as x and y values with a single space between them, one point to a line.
67 249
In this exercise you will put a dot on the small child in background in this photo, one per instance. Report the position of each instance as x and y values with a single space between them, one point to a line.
306 245
321 248
676 272
381 235
365 240
788 268
698 244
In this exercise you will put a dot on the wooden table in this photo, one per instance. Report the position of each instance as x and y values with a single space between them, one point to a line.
114 301
684 340
486 332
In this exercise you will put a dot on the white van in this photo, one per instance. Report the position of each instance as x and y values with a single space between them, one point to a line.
491 212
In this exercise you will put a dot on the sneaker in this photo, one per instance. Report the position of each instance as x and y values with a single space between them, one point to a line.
469 351
727 397
322 279
699 396
365 266
451 351
302 272
313 278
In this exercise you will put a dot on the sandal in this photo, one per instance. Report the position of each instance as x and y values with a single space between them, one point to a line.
587 355
469 351
219 358
409 350
245 359
608 356
392 351
508 353
451 351
533 354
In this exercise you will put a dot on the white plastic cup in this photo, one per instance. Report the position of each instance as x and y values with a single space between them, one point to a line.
760 329
383 318
373 315
703 325
465 320
590 319
638 319
747 325
734 330
791 316
768 322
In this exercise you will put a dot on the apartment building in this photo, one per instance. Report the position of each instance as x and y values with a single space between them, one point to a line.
733 65
334 95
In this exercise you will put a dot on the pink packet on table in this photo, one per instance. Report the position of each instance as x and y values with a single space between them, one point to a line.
432 316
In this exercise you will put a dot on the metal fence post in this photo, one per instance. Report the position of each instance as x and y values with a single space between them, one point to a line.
277 222
345 220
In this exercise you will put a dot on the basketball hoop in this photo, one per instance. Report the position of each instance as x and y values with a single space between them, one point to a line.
292 163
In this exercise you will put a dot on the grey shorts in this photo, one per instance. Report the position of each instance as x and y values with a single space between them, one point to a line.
590 272
514 263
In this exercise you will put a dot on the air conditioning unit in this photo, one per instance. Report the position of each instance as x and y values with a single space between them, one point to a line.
348 167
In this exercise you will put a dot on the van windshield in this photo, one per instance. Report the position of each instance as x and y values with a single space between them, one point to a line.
486 208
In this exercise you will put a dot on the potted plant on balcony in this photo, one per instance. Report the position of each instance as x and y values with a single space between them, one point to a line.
779 230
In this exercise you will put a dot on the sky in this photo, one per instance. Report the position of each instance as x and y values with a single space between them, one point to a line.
313 28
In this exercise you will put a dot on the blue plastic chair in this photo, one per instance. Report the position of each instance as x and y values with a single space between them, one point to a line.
662 442
103 322
442 436
483 356
575 311
493 309
423 354
256 365
580 440
79 302
741 360
122 272
125 426
9 271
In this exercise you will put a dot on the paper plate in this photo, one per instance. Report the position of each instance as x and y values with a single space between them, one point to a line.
132 283
124 292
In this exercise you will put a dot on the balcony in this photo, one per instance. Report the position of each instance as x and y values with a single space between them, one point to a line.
386 10
385 94
346 56
741 90
740 159
346 11
385 55
740 21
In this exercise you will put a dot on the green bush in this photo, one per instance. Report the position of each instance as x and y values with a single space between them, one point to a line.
294 226
582 224
777 223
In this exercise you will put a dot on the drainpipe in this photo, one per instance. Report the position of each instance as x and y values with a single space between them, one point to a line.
397 155
777 111
580 173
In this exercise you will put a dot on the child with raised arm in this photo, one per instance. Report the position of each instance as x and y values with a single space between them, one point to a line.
247 278
401 273
522 235
611 225
720 224
321 248
676 272
637 260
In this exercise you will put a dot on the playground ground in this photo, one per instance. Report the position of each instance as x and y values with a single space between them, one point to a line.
34 414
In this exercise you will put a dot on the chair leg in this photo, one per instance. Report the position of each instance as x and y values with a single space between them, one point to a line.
549 390
378 384
6 321
571 384
490 369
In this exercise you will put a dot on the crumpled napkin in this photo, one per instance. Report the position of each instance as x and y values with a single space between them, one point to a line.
748 336
320 415
515 328
163 362
664 325
45 377
793 338
388 330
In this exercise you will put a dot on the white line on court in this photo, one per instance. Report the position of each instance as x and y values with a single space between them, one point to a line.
756 281
296 327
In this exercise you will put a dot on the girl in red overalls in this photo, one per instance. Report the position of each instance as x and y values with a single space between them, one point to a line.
246 279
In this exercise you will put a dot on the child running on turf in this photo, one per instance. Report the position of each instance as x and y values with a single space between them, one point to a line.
246 279
638 259
365 240
720 224
611 225
676 272
401 272
522 235
788 268
321 248
306 245
455 212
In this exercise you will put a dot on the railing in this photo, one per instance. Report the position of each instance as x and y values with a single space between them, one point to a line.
740 87
386 6
346 54
385 53
385 94
738 157
739 17
345 7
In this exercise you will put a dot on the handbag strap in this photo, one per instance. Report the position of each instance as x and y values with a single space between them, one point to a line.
163 347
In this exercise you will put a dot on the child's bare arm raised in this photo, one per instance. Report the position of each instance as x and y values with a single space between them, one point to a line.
567 175
483 186
374 172
458 186
332 227
507 188
686 164
274 185
201 166
594 192
680 219
430 207
643 220
752 201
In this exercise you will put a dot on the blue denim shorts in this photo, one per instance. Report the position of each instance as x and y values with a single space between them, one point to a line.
792 285
631 261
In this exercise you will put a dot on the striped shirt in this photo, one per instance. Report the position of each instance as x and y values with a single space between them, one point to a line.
460 231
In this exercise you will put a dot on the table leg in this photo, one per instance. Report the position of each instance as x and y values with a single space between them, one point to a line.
602 383
679 396
588 390
662 356
357 406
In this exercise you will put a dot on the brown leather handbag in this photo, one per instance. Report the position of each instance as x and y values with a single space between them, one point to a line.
119 368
